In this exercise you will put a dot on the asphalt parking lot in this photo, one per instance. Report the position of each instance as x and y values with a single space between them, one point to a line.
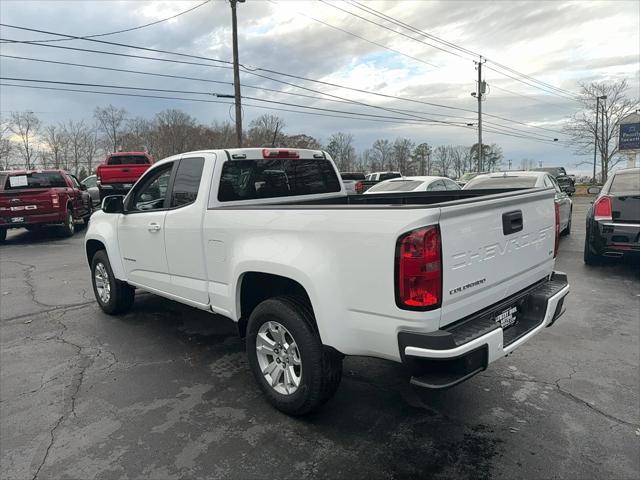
165 392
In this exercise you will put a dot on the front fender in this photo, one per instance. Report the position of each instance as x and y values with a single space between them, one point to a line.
104 228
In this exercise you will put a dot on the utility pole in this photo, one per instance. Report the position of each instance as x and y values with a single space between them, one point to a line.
479 94
595 144
236 72
604 162
509 164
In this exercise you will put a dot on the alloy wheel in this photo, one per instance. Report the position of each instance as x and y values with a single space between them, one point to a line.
279 357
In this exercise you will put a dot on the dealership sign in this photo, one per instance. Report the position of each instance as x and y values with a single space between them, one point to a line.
629 133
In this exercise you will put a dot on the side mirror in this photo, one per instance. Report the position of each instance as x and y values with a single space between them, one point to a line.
113 204
594 190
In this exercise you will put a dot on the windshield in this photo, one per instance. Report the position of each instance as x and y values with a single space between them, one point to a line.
35 180
128 160
501 182
627 182
396 186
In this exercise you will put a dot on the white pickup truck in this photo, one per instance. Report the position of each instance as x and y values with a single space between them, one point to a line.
444 282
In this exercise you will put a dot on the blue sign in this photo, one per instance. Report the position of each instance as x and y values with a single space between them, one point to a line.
629 136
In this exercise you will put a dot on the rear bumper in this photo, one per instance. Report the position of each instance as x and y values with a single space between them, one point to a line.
106 189
54 218
455 353
614 239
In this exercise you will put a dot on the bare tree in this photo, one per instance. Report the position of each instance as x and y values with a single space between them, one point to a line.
422 156
26 126
266 131
223 135
302 141
89 147
527 164
581 127
341 149
140 134
75 133
55 140
174 130
110 122
442 159
402 149
6 145
384 153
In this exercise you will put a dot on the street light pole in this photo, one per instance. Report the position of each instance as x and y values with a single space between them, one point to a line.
236 72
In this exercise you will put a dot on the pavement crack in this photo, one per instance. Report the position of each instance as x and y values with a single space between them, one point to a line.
51 441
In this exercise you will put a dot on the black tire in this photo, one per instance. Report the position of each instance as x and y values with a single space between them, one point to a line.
86 218
321 367
590 258
69 227
3 234
121 295
567 229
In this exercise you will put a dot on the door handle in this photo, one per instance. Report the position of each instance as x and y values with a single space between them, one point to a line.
153 227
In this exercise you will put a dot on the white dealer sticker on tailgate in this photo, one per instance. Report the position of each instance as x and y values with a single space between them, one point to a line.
18 181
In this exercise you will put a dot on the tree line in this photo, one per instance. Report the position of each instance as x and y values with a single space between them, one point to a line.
79 146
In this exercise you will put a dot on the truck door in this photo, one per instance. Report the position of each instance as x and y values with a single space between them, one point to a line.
183 232
141 230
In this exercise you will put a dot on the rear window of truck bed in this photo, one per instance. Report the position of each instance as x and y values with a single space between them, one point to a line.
270 178
128 160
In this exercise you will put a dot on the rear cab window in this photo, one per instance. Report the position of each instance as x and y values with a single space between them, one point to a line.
20 181
396 186
128 160
273 178
187 182
511 181
626 182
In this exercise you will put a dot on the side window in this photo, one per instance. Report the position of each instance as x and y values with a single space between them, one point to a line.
74 180
90 182
551 182
451 185
187 182
436 186
152 192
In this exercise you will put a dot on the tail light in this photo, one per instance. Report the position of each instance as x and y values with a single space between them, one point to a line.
359 187
55 201
279 153
557 241
602 209
419 269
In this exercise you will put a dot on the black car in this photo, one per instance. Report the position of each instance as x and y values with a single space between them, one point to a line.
567 183
613 221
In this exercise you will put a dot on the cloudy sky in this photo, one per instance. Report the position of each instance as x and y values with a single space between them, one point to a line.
558 43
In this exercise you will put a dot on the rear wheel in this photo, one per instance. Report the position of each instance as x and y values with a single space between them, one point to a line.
112 295
3 234
567 229
590 258
292 367
69 227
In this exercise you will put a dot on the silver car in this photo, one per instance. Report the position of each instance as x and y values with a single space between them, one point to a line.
91 182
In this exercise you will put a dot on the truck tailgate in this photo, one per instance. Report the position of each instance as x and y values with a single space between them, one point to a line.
121 173
494 248
27 201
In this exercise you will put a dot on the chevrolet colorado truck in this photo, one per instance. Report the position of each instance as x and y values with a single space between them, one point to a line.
270 239
33 199
119 171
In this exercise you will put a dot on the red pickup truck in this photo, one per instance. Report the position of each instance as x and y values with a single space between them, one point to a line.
120 171
36 198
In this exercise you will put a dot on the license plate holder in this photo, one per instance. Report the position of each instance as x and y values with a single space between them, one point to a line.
507 317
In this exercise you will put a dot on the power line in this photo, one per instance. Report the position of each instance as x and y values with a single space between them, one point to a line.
84 37
359 36
246 70
352 115
467 120
414 29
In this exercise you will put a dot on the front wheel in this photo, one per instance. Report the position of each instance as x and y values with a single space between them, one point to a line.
112 295
292 367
